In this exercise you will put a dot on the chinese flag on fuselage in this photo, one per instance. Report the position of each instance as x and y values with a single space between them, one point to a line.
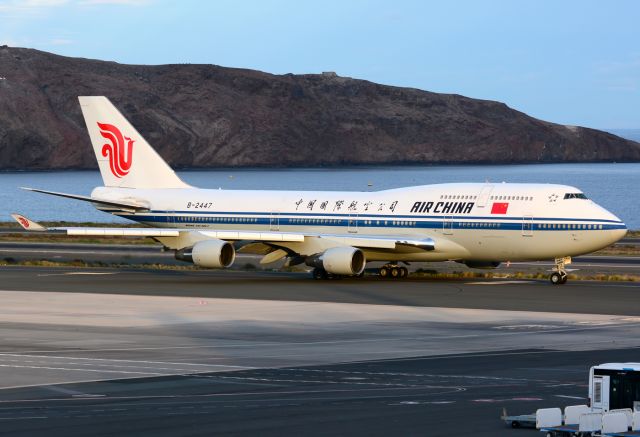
499 208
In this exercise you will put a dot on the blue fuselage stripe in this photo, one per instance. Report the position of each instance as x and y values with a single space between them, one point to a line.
528 224
363 216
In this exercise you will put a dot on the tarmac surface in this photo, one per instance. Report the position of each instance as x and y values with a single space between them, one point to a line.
153 352
139 254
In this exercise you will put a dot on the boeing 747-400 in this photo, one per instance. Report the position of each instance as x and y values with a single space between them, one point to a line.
335 232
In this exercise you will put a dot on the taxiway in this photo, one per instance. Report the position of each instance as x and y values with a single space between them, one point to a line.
153 352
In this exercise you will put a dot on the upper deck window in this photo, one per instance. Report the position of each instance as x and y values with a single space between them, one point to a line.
575 196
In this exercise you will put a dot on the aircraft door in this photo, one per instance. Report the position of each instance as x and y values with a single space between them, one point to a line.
600 392
447 225
483 197
171 217
527 226
274 221
352 225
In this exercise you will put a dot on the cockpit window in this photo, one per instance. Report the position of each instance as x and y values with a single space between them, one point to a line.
575 196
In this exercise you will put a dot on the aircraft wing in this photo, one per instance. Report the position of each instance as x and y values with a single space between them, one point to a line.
269 237
128 206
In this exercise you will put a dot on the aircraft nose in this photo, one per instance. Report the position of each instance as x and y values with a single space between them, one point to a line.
618 232
617 229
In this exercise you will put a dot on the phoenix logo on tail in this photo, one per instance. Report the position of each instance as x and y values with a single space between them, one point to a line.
120 159
24 222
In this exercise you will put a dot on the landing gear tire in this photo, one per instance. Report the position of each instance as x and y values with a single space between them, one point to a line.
391 271
384 272
404 272
557 278
320 274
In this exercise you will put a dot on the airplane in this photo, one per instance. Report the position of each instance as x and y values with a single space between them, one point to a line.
335 232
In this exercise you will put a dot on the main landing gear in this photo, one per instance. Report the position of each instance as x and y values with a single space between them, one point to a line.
387 271
319 273
559 276
392 271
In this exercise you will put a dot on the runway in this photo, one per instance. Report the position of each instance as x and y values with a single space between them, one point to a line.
141 254
588 297
152 352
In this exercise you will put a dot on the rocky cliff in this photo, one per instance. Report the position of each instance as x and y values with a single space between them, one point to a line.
211 116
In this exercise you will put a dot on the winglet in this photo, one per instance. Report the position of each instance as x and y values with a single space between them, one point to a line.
28 225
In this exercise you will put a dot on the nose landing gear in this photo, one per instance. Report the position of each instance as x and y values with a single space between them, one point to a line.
558 278
559 275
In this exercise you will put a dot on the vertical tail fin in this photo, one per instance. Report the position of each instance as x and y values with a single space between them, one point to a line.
125 158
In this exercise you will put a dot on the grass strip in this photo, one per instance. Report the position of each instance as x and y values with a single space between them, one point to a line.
418 274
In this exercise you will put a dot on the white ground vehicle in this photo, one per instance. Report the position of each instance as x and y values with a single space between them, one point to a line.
613 409
614 385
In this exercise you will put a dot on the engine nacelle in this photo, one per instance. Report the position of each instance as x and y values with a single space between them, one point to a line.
482 264
212 254
339 261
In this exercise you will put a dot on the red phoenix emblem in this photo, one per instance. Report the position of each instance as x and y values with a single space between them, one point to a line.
120 154
24 222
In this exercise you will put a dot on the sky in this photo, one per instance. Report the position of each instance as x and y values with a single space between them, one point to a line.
565 61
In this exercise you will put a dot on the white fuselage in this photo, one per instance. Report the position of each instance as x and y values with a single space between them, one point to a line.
468 221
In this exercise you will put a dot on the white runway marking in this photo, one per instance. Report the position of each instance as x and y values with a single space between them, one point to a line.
260 393
15 366
9 363
570 397
511 327
532 399
78 274
428 375
500 282
113 360
68 391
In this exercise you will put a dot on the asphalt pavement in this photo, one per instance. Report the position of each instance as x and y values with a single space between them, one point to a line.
107 351
584 297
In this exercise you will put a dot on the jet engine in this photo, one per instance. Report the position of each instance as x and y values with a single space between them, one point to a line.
339 261
213 254
482 264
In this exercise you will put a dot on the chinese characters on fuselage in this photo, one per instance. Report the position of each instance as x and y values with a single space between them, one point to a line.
337 205
355 206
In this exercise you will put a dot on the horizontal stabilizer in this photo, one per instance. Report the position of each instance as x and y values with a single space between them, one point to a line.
28 224
113 203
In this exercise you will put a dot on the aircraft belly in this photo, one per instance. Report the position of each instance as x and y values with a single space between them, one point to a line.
514 246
